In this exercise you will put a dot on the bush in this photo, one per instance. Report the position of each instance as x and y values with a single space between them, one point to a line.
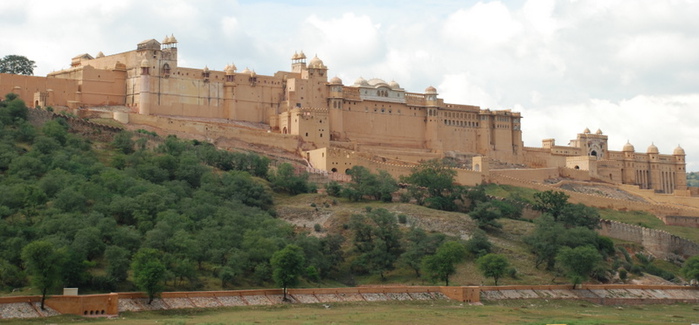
333 188
402 218
317 227
512 272
623 275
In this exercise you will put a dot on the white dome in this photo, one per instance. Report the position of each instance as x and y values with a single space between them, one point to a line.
628 147
336 80
316 63
678 151
394 85
652 149
361 82
430 90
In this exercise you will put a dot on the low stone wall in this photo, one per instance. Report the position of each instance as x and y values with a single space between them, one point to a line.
112 304
599 294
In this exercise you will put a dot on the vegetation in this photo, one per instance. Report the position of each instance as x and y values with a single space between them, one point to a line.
149 272
206 218
442 264
287 265
578 262
17 64
43 263
690 269
493 266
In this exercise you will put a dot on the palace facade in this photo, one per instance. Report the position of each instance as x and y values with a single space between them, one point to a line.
337 124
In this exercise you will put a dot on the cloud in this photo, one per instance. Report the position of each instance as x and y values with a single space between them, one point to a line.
485 24
349 39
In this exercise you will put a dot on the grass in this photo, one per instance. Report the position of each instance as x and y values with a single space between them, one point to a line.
410 312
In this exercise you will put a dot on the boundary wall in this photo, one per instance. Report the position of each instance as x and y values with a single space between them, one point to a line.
603 294
103 305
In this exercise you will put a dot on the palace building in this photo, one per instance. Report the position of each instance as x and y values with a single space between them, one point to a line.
332 124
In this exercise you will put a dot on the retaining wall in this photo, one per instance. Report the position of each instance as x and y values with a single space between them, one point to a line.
112 304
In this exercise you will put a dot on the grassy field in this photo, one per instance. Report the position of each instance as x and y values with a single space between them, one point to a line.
433 312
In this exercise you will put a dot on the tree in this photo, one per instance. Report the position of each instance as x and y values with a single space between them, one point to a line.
420 244
17 64
285 179
43 262
690 269
377 240
365 183
478 245
545 241
578 262
442 264
148 272
123 143
579 215
493 265
117 262
551 202
434 175
486 214
287 266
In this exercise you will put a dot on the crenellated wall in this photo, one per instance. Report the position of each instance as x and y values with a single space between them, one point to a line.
658 242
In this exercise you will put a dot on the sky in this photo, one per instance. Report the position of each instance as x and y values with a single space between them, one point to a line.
628 68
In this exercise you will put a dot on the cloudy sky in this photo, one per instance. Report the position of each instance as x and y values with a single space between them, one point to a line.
629 68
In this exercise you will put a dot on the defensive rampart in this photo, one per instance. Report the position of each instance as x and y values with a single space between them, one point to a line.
216 132
658 242
77 125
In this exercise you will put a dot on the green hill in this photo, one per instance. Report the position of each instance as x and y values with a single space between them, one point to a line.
215 218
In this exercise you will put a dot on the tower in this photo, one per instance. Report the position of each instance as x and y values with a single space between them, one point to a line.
145 93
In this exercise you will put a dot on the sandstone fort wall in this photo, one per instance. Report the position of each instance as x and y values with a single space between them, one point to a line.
213 132
658 242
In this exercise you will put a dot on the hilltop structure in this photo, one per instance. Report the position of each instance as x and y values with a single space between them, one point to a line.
371 122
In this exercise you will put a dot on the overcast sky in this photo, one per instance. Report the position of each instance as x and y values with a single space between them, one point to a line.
629 68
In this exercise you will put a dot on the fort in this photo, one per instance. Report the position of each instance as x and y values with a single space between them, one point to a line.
331 125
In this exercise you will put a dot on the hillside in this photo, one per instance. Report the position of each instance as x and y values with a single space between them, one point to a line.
213 219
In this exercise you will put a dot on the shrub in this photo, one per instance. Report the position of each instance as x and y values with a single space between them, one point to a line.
402 218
